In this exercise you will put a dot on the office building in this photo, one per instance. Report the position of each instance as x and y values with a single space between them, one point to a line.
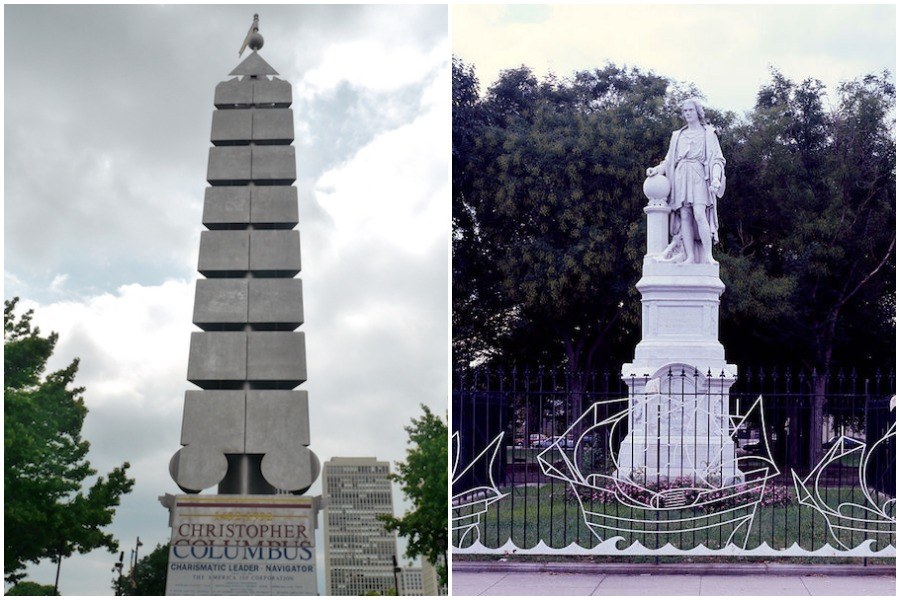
411 582
359 551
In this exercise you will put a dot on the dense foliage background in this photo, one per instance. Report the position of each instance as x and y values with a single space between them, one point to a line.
548 227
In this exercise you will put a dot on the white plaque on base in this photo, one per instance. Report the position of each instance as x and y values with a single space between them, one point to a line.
230 545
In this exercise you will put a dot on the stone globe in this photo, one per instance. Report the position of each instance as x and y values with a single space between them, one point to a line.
256 41
656 187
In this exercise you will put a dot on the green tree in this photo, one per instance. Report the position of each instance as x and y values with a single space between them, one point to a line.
30 588
473 305
149 578
548 228
813 224
46 513
809 259
423 480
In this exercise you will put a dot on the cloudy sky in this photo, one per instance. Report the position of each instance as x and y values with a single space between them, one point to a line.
726 50
107 121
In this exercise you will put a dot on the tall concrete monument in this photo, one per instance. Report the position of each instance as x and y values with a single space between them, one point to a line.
677 425
246 430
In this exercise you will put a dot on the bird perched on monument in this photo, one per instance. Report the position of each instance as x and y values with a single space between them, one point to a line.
254 39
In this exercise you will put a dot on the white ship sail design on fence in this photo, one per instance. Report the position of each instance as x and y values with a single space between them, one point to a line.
702 501
875 518
470 505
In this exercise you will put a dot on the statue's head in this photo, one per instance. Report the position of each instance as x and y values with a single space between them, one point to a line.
698 108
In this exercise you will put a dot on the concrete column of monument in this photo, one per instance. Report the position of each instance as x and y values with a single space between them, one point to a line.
247 429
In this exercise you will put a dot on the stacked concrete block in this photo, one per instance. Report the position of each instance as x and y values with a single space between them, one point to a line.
247 429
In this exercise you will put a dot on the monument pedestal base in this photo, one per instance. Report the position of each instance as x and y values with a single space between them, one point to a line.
236 545
678 384
678 427
680 318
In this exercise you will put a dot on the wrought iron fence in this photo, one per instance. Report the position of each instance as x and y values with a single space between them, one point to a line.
784 463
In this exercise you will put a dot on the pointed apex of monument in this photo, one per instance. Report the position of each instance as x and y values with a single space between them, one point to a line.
254 65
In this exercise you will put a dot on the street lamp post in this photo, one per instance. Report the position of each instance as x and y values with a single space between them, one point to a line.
134 567
117 566
396 574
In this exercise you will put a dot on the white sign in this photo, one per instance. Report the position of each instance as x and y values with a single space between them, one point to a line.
242 546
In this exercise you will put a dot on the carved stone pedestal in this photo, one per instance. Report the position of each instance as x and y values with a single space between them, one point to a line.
680 318
678 428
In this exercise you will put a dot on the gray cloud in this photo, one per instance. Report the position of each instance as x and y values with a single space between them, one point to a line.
106 139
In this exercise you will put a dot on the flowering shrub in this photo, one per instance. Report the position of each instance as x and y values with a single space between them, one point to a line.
713 499
776 495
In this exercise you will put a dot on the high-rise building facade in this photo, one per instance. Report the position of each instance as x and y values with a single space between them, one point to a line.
359 551
411 582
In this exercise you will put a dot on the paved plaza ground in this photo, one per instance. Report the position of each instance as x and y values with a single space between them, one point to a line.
549 579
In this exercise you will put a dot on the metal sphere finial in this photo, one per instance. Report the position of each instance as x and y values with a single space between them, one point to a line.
254 39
